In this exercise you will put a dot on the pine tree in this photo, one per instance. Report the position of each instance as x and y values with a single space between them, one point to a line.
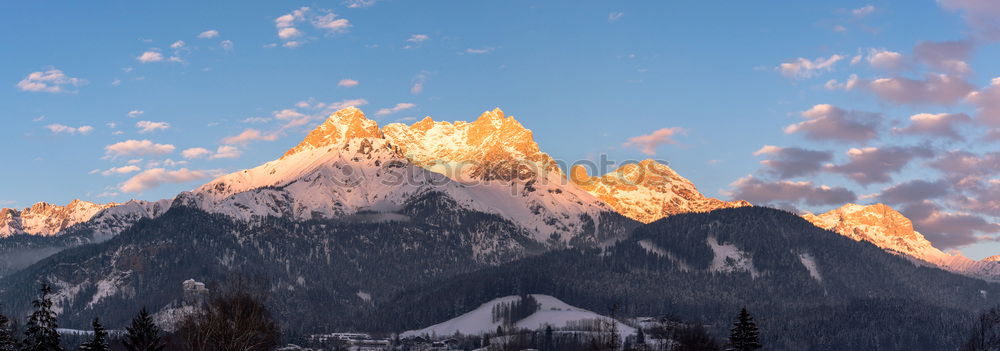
744 336
7 341
41 334
100 340
640 337
143 334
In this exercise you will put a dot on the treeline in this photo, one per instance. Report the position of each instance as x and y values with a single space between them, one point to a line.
236 320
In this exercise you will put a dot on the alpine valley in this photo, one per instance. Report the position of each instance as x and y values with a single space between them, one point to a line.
404 227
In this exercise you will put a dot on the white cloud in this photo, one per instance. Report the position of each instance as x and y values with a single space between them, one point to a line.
481 51
648 143
150 126
177 44
137 148
418 83
51 80
135 113
150 56
399 107
331 23
354 4
208 34
615 16
226 45
347 83
155 177
863 11
60 128
805 68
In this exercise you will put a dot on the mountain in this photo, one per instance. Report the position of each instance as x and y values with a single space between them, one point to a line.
647 191
76 226
499 158
807 288
348 166
47 219
892 231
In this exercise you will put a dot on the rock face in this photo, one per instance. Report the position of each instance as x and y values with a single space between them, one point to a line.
890 230
647 191
494 147
47 219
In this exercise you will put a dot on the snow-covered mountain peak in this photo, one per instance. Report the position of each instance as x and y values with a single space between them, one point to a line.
45 219
994 258
493 147
890 230
341 126
647 191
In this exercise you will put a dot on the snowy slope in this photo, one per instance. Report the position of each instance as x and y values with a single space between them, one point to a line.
890 230
647 191
552 312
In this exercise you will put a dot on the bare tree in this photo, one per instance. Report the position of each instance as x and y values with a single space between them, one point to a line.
235 320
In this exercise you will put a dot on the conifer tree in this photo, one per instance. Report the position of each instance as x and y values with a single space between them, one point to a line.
744 336
7 340
143 334
41 334
100 340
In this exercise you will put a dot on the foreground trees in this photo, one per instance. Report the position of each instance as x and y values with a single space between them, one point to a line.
744 336
235 321
985 334
100 340
143 334
41 334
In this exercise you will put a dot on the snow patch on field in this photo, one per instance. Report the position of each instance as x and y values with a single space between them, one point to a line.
552 312
728 258
366 297
810 263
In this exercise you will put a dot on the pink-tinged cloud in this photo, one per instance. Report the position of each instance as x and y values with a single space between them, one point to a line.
155 177
963 164
648 143
195 152
948 230
948 56
150 56
49 81
137 148
226 151
982 15
249 135
935 88
788 193
150 126
877 165
886 60
828 122
121 170
791 162
916 190
987 103
942 125
347 83
403 106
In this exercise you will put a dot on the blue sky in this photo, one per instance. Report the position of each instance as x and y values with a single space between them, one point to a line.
703 81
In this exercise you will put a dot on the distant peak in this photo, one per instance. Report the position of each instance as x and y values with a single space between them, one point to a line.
343 125
994 258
